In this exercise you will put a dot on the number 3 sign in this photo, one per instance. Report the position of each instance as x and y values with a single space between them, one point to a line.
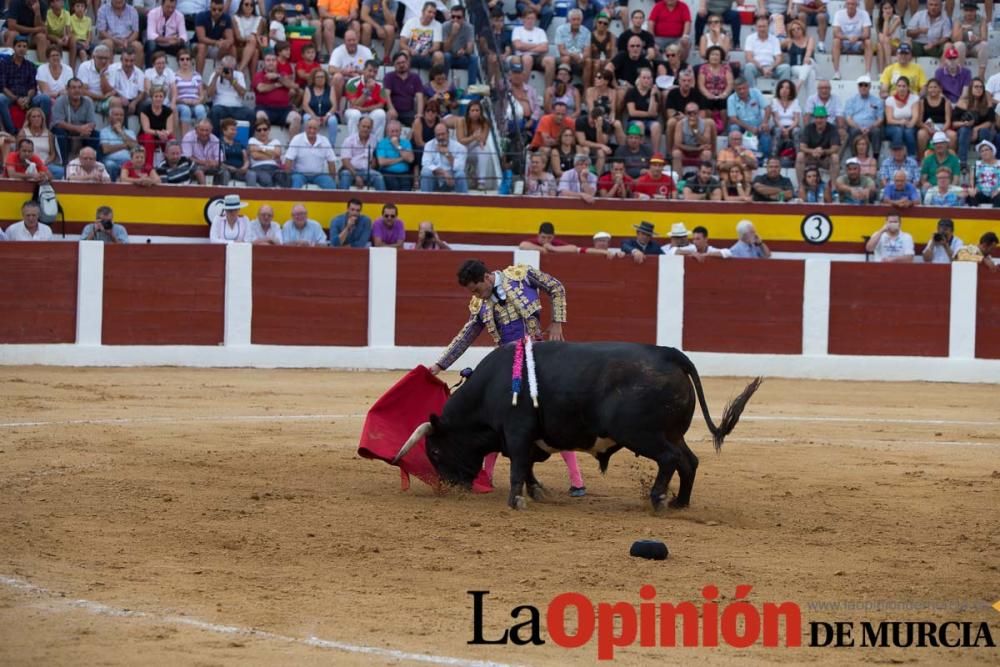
816 228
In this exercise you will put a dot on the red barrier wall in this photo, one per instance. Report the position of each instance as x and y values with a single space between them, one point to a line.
613 300
430 305
164 294
38 299
309 296
988 315
743 305
889 309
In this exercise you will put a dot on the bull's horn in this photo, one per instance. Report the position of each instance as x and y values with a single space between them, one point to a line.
419 434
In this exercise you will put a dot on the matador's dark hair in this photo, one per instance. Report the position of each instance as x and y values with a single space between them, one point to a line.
471 271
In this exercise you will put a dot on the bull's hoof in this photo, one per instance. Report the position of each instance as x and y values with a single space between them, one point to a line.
677 503
537 492
518 503
657 501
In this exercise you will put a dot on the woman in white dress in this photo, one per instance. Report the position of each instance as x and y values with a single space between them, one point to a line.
230 226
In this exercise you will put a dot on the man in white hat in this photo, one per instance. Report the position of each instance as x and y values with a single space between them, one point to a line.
230 226
679 241
602 246
864 113
941 157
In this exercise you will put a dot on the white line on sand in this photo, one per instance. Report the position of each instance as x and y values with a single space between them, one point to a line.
100 609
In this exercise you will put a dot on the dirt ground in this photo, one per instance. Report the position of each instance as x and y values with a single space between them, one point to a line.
155 516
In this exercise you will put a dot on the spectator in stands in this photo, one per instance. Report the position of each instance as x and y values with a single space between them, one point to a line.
679 244
526 108
642 104
249 37
573 40
547 242
713 13
474 133
772 186
902 116
824 97
749 244
442 167
265 159
655 184
336 17
263 230
214 33
118 28
852 34
136 171
311 160
853 187
634 152
301 230
643 243
944 194
159 74
563 90
670 23
704 186
550 127
799 47
366 99
812 190
24 165
117 142
53 77
421 38
973 118
562 155
190 93
595 134
699 239
351 229
811 13
165 30
29 228
306 65
764 56
970 35
347 61
890 243
785 115
94 74
980 253
274 96
903 68
900 193
819 146
423 129
930 30
745 111
603 93
128 82
935 116
537 181
940 156
693 140
952 76
715 83
531 43
735 185
861 150
358 161
679 96
627 64
36 130
896 161
86 169
105 230
735 154
615 184
176 168
495 42
25 20
205 152
864 115
986 178
602 246
230 226
82 29
459 44
428 239
395 158
406 91
226 88
890 27
441 89
235 161
18 85
647 47
378 19
579 182
388 230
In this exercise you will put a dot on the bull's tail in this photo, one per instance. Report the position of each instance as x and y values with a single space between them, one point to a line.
731 415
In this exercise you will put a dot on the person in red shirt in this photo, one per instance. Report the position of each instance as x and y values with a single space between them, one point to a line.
670 23
615 183
24 165
546 241
273 92
549 128
306 65
654 184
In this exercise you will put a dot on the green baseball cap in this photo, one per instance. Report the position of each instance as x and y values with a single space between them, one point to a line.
635 128
820 112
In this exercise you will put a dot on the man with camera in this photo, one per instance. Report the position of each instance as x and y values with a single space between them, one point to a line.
943 245
226 89
105 229
428 239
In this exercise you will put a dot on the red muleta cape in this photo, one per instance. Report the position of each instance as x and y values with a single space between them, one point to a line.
394 417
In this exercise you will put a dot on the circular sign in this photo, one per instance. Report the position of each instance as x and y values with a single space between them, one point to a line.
816 228
213 209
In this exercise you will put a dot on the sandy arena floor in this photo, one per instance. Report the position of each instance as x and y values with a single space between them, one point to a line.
160 539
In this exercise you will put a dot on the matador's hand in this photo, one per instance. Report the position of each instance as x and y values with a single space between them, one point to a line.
556 332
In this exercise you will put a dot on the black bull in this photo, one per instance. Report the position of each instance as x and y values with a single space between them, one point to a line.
593 397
